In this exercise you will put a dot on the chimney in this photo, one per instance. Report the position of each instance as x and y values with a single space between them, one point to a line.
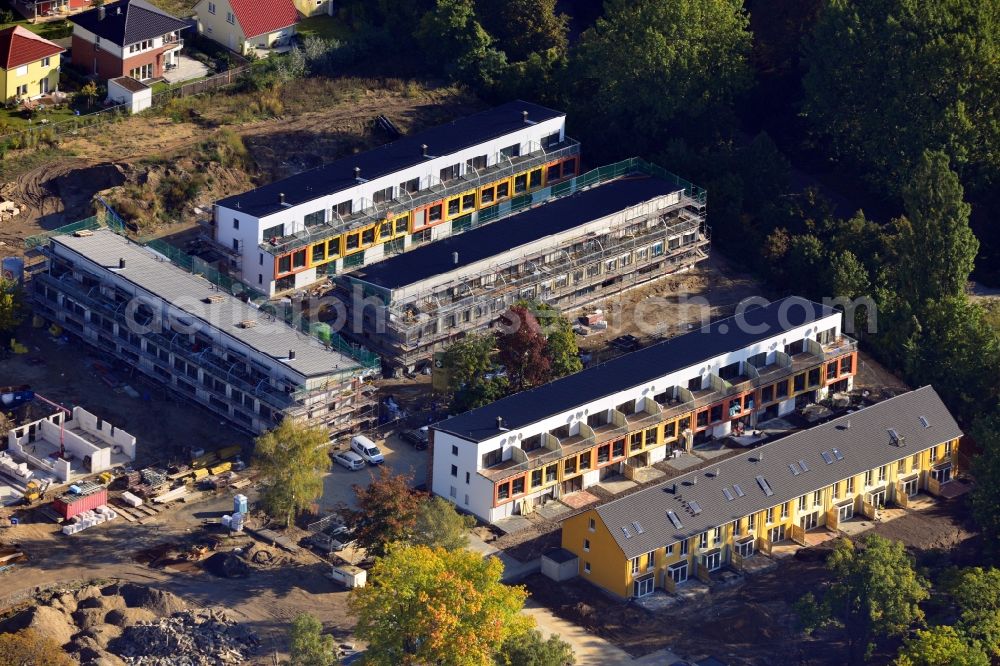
121 262
357 173
100 13
291 354
848 424
119 11
423 147
454 258
281 198
500 423
525 115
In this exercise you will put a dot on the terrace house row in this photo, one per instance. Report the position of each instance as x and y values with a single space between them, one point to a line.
817 479
359 209
201 343
591 244
507 457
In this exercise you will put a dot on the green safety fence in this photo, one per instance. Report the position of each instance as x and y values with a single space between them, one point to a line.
90 223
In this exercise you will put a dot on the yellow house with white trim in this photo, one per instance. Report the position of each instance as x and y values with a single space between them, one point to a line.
29 64
696 524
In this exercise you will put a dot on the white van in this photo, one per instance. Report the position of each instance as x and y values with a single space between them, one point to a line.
366 448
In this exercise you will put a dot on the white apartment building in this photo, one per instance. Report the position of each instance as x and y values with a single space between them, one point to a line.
359 209
507 457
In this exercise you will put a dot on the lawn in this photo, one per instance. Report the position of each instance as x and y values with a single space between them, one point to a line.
50 30
324 27
13 120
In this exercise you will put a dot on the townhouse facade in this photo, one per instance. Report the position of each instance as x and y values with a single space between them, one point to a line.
33 9
592 243
693 525
505 458
198 341
126 38
29 65
246 25
360 209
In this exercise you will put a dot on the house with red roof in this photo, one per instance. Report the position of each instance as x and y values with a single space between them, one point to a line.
126 38
29 65
245 26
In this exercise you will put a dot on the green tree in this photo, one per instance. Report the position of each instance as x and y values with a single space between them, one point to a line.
936 250
560 341
471 371
308 646
530 649
875 593
985 499
439 525
435 606
686 64
976 592
523 27
452 40
89 92
11 305
934 66
27 647
387 512
522 349
940 646
292 460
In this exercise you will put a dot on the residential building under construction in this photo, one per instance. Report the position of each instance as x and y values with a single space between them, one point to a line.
199 341
606 231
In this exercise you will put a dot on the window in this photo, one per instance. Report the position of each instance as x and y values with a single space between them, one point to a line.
518 487
401 224
635 441
535 178
850 485
277 231
635 565
818 498
703 540
230 19
552 173
684 547
468 201
520 183
466 477
454 470
536 478
916 461
593 525
299 259
345 207
453 206
382 195
752 521
947 450
312 219
835 491
236 224
46 62
802 503
492 457
503 491
503 190
717 534
585 460
476 162
767 394
650 560
486 195
319 252
142 73
586 545
285 263
882 473
784 509
845 365
434 213
618 449
770 515
22 89
586 567
569 466
511 151
551 473
211 8
868 478
451 172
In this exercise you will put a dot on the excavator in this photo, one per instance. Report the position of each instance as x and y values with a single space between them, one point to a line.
35 490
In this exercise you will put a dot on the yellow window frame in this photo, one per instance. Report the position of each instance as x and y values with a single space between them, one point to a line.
351 250
334 247
311 260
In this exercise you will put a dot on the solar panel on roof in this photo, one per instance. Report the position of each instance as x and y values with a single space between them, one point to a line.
803 465
674 519
827 457
765 486
738 490
628 535
728 494
795 469
695 508
837 454
638 527
924 422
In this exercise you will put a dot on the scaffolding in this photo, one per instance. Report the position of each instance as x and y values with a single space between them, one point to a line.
646 246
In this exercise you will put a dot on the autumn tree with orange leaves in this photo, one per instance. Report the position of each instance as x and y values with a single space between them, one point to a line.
434 606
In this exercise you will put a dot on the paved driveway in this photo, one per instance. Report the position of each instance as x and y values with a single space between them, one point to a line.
400 458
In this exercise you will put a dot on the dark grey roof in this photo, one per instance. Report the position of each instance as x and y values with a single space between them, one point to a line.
861 438
401 154
128 21
520 229
639 367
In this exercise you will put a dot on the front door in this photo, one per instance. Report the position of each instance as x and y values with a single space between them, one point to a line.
910 487
43 86
712 561
942 474
845 512
776 534
678 572
641 588
809 521
877 499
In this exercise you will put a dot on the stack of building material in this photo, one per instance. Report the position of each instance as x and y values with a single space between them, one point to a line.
14 469
131 499
96 516
153 478
171 495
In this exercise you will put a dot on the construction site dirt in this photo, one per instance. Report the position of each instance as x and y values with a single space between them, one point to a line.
753 623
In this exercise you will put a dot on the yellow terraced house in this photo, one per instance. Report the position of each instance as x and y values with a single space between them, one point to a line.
695 525
417 189
29 65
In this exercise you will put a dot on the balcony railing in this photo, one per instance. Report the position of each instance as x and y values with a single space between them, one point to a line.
406 201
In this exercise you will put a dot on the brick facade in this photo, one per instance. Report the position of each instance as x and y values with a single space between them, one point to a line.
108 66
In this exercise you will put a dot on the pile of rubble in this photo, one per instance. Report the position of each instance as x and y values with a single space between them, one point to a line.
198 638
